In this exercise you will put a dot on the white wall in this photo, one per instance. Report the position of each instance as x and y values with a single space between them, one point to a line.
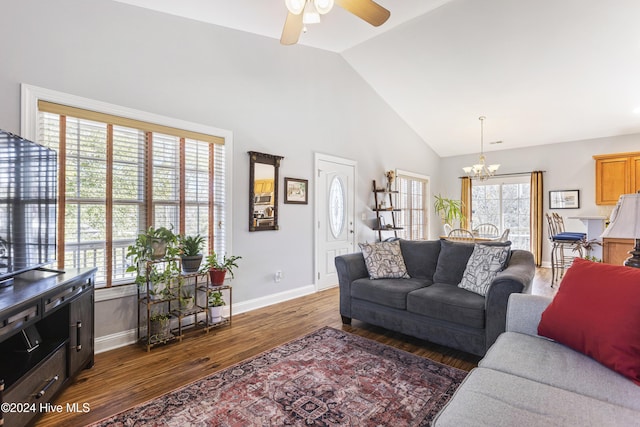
288 101
567 166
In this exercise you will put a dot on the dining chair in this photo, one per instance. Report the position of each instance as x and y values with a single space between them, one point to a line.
486 230
461 234
447 229
504 236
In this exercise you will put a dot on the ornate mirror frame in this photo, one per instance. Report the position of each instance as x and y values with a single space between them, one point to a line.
263 191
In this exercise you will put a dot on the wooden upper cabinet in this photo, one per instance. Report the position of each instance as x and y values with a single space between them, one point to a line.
616 174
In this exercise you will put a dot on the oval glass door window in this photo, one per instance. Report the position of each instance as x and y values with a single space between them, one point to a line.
337 204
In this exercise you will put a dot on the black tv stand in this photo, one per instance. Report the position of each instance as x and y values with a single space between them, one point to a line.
50 270
57 311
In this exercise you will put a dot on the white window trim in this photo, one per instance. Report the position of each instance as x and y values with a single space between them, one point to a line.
30 95
428 203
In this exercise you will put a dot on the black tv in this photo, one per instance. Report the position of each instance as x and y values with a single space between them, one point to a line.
28 200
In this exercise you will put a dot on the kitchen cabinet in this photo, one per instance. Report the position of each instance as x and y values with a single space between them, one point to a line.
616 174
616 251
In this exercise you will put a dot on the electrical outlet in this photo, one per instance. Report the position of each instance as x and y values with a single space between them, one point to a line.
364 216
278 276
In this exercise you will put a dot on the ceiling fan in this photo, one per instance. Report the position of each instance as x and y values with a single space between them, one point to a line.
302 12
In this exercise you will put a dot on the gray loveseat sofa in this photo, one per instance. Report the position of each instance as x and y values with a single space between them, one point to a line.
429 305
528 380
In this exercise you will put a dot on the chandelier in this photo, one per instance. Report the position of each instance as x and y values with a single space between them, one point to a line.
480 170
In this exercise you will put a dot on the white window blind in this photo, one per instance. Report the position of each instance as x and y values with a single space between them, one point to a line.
117 180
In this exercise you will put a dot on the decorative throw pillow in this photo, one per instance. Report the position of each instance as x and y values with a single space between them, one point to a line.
483 265
384 260
597 312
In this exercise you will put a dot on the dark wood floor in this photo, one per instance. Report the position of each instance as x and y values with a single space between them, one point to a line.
128 376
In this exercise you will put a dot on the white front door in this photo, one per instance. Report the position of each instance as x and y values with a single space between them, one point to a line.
335 215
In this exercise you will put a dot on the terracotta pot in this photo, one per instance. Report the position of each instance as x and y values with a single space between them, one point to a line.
217 276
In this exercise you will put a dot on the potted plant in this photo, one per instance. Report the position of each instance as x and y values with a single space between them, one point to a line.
154 243
191 256
153 259
218 269
449 210
585 246
215 303
187 299
159 326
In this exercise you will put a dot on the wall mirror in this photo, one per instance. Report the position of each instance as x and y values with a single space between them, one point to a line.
263 191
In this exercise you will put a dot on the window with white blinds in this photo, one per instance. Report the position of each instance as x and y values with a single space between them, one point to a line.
412 201
118 177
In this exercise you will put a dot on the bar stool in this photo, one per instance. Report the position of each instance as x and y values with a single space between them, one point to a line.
564 247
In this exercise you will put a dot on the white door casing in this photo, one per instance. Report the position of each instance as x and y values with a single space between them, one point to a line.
334 215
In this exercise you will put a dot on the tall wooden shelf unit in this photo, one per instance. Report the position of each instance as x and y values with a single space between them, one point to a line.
172 302
384 211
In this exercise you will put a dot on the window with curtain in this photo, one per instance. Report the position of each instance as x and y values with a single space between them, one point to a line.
412 200
505 204
121 176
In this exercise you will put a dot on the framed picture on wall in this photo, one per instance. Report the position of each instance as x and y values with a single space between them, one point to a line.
296 191
564 199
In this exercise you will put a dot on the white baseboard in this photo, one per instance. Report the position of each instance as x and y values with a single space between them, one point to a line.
254 304
120 339
113 341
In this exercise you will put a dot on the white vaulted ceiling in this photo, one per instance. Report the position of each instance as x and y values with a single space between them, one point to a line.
541 71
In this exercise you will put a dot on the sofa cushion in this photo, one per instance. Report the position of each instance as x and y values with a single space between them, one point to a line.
452 261
388 292
384 260
483 265
554 364
448 302
420 257
493 398
597 312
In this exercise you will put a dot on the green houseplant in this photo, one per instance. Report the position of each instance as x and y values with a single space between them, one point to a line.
215 303
159 326
187 298
449 210
153 258
191 252
218 268
154 243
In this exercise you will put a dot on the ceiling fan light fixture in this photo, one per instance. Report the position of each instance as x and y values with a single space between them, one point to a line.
310 14
323 6
295 6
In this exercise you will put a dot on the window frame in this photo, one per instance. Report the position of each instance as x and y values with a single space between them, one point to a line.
30 95
426 202
500 182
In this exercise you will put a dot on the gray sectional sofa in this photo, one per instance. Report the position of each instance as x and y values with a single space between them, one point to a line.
429 305
528 380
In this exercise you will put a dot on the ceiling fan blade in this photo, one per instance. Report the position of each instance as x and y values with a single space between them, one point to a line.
368 10
292 29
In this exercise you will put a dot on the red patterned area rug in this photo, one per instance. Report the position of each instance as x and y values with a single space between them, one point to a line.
327 378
